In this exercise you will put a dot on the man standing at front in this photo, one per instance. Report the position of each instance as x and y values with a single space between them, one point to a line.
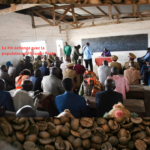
67 50
87 52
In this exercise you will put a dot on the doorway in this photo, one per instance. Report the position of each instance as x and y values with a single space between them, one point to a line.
59 44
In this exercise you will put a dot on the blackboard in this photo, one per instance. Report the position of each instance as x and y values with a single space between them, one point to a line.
118 43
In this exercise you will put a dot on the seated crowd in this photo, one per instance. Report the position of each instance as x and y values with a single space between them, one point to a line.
69 84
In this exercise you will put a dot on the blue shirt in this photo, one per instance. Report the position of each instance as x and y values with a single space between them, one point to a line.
6 101
87 52
146 56
75 103
36 83
44 70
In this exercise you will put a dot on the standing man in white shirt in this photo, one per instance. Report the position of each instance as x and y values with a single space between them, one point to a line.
104 71
87 52
60 53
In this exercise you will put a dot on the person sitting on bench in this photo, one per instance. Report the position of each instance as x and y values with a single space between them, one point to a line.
6 100
75 103
132 57
105 100
21 98
10 80
121 82
132 75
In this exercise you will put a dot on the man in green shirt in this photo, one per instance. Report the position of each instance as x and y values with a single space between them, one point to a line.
67 50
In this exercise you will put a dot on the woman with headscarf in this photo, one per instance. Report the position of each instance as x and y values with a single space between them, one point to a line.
24 75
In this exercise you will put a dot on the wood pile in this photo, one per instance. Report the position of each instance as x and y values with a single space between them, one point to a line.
76 134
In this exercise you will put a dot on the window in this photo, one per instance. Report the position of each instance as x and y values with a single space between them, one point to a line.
35 47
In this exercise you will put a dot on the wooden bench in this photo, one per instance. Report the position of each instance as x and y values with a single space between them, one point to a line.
147 100
135 92
134 105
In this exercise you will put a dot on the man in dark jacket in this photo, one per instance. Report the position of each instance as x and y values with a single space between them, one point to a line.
36 80
105 100
76 54
44 69
6 100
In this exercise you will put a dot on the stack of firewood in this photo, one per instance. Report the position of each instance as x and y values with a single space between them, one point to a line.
76 134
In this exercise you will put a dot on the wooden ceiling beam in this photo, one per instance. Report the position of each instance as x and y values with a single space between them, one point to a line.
32 19
44 9
16 8
102 24
134 8
51 23
110 12
73 15
63 15
46 13
54 16
13 7
116 8
80 25
101 10
83 17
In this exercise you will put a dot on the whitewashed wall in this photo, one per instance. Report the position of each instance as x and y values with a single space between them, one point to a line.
16 28
75 36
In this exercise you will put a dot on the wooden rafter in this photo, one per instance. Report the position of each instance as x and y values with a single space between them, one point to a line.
117 19
101 10
32 18
73 14
110 12
83 17
54 17
80 25
47 13
134 8
101 24
140 17
63 15
16 8
13 7
51 23
116 8
79 20
68 11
